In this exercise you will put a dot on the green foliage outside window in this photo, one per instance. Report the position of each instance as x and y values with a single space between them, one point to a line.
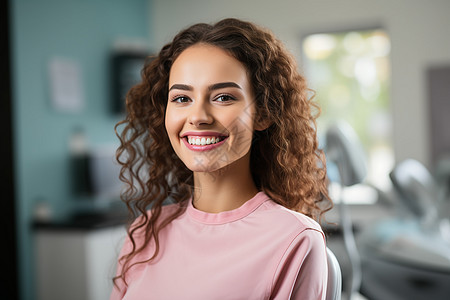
350 73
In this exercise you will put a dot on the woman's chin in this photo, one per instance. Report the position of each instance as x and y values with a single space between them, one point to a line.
213 168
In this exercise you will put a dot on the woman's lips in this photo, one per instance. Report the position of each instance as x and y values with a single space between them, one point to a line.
203 141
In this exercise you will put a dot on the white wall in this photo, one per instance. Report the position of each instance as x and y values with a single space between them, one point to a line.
419 32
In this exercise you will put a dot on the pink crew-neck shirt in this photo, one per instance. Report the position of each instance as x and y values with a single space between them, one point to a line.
260 250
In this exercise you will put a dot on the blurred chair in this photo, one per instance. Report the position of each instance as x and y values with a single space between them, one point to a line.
417 189
334 284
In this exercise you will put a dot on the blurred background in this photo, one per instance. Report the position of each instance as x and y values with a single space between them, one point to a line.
382 67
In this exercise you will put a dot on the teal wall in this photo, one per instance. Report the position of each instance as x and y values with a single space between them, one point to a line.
82 31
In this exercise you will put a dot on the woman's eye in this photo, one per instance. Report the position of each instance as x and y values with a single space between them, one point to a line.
180 99
224 98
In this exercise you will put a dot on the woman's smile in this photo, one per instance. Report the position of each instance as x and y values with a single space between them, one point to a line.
203 141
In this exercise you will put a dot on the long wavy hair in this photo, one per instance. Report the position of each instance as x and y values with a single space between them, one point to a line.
285 160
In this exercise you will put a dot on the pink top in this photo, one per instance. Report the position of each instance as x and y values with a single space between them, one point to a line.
260 250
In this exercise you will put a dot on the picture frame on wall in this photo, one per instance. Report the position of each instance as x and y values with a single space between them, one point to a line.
126 72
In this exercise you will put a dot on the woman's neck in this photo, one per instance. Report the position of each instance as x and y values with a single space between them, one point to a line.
225 189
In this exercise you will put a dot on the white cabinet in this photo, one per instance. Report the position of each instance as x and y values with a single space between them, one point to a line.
76 264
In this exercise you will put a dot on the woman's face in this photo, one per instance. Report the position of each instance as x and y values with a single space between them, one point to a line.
210 109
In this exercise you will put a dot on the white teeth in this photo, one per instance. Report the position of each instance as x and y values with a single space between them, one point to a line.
203 141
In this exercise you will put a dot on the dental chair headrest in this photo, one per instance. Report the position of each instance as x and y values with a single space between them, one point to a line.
344 149
416 187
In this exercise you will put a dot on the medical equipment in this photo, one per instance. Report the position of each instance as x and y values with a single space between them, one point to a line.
344 151
408 257
405 257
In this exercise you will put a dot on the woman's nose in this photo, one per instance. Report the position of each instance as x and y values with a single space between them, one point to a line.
200 114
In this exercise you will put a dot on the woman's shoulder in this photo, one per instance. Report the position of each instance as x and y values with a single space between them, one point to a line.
287 218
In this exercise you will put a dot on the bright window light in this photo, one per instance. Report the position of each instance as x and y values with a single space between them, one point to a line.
350 73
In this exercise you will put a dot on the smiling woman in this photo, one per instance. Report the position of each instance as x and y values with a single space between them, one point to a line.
222 127
218 105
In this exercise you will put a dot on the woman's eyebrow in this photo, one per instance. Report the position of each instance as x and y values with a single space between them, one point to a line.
222 85
183 87
212 87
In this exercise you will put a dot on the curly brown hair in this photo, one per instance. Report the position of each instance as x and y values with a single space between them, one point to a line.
285 160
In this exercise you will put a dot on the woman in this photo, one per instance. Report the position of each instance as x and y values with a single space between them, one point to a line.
222 129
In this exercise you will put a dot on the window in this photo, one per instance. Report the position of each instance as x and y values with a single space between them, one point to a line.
350 73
